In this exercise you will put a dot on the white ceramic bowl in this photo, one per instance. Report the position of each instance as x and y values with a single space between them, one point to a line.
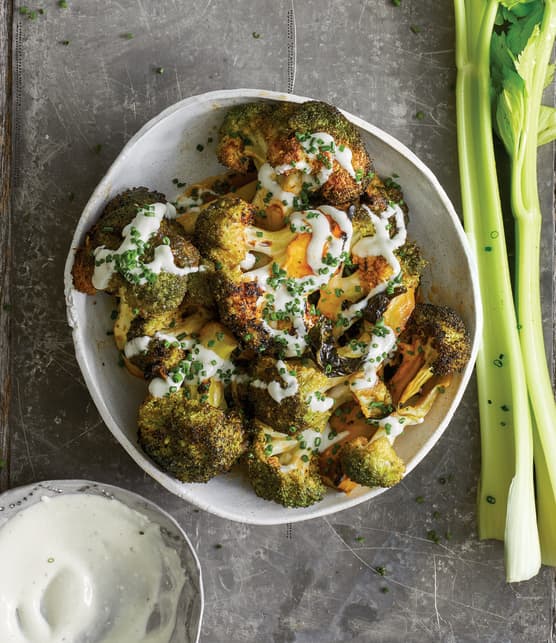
166 148
190 609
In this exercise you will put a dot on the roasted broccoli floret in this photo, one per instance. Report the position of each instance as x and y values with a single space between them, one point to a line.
380 193
435 342
412 264
131 261
244 135
339 167
292 395
248 261
311 151
153 346
283 468
186 424
117 213
190 439
372 463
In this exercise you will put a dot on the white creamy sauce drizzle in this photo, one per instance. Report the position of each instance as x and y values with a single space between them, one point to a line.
379 350
79 567
321 403
145 224
383 246
139 345
317 146
314 442
276 389
280 295
267 179
392 426
213 367
188 203
249 262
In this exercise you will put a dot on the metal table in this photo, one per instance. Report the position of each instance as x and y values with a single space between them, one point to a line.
83 79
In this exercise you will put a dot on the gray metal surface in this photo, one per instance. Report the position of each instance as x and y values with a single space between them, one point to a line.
75 106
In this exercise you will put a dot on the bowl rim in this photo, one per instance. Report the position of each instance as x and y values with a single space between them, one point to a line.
12 496
184 490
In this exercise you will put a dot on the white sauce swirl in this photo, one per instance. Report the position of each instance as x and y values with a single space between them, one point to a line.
144 225
284 296
319 146
80 567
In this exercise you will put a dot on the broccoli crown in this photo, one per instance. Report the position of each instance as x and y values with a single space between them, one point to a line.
317 116
191 440
307 408
380 193
118 212
159 359
162 295
362 223
412 263
164 291
243 135
281 468
297 143
107 231
371 463
442 330
433 345
200 293
220 234
282 135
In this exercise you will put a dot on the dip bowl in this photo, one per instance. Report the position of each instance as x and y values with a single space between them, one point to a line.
191 602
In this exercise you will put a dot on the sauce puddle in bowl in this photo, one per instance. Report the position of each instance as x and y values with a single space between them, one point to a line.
87 568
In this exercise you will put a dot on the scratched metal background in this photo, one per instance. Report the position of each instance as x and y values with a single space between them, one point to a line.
318 581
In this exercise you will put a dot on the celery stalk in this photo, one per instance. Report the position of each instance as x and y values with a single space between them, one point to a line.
528 221
546 507
522 75
506 501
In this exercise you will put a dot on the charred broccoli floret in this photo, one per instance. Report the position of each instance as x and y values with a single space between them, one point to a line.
282 468
139 251
308 149
311 151
380 193
372 463
153 345
190 439
292 395
256 269
412 264
107 231
186 424
244 134
435 342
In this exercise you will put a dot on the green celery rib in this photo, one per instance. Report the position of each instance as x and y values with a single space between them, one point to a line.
546 506
506 432
528 222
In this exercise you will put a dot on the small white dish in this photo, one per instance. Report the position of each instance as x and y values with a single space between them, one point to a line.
166 148
191 601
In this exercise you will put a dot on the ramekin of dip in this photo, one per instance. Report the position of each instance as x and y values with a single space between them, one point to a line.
85 562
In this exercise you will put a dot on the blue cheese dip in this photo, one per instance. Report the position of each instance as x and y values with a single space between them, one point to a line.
81 568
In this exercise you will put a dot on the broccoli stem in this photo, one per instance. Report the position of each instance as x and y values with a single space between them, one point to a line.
506 500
